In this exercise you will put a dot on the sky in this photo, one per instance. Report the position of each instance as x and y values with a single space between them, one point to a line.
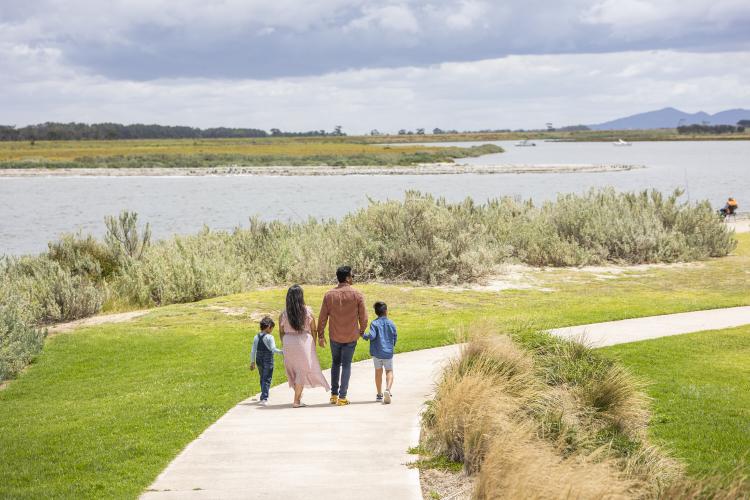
369 64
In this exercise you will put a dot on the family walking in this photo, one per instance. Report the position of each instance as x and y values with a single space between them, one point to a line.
343 311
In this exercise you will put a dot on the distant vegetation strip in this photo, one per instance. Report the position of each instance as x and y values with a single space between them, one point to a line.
206 154
420 239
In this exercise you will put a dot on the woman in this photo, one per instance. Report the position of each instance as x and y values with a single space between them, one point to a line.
296 327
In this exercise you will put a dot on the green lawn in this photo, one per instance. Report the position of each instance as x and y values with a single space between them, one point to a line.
104 409
700 385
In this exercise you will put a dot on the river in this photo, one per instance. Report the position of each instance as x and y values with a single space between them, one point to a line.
38 209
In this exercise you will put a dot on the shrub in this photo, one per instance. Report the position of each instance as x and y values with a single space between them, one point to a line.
83 256
123 238
538 407
19 342
47 293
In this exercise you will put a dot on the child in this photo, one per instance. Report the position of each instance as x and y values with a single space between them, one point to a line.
264 347
382 337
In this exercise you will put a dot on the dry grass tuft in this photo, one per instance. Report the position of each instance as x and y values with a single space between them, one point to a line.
521 466
618 397
550 420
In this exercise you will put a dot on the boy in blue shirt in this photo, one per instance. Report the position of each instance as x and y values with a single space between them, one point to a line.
264 347
382 337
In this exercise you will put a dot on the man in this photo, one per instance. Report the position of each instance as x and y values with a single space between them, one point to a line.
729 209
345 307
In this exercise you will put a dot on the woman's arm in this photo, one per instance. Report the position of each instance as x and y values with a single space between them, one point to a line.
312 327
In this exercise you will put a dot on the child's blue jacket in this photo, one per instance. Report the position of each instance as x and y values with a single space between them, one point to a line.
382 337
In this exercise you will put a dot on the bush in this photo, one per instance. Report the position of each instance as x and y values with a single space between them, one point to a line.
19 342
83 256
46 293
515 411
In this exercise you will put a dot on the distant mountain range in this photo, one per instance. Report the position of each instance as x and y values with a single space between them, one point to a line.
671 118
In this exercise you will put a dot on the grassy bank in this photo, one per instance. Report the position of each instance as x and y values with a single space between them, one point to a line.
221 152
699 385
104 409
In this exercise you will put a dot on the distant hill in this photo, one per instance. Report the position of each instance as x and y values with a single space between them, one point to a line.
671 117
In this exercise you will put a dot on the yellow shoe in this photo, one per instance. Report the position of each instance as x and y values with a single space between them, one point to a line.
334 399
342 402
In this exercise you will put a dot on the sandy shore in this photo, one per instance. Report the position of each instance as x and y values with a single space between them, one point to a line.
426 169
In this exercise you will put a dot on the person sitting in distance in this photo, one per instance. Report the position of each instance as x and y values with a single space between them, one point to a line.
729 209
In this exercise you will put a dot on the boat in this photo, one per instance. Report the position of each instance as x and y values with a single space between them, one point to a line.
525 143
620 142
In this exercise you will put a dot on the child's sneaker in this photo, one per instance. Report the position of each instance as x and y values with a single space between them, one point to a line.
387 397
379 397
334 399
263 402
342 402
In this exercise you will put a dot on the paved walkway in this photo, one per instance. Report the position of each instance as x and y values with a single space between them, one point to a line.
633 330
322 451
358 450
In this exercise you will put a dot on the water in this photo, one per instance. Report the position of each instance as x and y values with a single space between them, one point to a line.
36 210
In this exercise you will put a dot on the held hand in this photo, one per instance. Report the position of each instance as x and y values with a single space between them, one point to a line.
252 366
322 342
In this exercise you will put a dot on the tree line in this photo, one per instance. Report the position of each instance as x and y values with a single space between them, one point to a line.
52 131
711 129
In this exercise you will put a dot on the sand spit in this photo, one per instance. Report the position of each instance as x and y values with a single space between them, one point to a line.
425 169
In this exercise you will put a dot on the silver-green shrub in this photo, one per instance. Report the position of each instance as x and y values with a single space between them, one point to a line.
19 342
48 293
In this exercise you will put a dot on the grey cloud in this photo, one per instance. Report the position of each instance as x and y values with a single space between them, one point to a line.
516 91
236 39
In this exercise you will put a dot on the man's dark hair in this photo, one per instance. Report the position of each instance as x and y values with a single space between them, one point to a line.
343 272
266 322
380 308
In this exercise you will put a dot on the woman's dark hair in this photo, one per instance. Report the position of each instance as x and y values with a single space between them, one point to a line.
266 322
296 312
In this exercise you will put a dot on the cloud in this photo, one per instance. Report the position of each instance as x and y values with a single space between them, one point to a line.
510 92
258 39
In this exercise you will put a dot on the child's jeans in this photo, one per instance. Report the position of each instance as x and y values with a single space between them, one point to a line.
265 369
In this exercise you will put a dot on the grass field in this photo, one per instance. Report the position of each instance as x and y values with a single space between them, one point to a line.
700 385
104 409
346 150
216 152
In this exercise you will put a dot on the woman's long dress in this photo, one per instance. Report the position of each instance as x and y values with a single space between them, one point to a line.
300 358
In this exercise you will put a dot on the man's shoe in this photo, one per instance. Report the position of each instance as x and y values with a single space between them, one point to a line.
387 397
263 402
334 399
342 402
379 397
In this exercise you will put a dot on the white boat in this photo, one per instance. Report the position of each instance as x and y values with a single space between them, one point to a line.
620 142
525 143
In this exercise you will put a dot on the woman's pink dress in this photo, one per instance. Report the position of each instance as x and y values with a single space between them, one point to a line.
300 358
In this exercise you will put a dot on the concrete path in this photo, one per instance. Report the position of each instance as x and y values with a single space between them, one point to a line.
322 451
633 330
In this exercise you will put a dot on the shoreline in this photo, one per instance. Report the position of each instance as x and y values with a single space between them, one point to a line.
294 171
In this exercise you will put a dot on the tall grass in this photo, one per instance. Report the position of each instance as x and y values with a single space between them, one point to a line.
420 239
532 416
